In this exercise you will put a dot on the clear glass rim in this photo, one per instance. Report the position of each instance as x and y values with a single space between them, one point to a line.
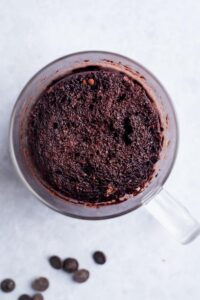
12 151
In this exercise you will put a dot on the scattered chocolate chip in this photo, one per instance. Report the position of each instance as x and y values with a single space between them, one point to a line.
38 297
91 81
70 265
99 257
24 297
40 284
81 276
55 262
7 285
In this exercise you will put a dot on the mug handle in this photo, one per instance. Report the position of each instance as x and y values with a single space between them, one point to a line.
172 215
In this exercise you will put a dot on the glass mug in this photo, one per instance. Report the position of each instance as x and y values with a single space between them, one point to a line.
170 213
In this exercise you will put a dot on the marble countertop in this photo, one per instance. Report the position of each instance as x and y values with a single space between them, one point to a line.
144 262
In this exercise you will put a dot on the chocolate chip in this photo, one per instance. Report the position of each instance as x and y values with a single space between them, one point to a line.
99 257
24 297
40 284
7 285
70 265
55 262
81 276
38 297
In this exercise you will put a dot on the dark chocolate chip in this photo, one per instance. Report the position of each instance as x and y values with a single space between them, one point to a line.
40 284
24 297
38 297
55 262
7 285
99 257
70 265
81 276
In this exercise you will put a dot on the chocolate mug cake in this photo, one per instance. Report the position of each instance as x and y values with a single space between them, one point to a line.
94 135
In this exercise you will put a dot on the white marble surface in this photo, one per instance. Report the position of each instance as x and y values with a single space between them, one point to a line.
144 262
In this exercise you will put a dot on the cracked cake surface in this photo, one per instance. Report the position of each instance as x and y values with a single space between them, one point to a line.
95 135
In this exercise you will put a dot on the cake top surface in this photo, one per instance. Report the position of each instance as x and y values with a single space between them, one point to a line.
95 136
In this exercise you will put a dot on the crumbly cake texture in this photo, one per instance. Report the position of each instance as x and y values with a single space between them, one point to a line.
95 136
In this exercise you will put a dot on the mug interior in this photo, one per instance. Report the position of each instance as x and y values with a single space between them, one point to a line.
56 70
